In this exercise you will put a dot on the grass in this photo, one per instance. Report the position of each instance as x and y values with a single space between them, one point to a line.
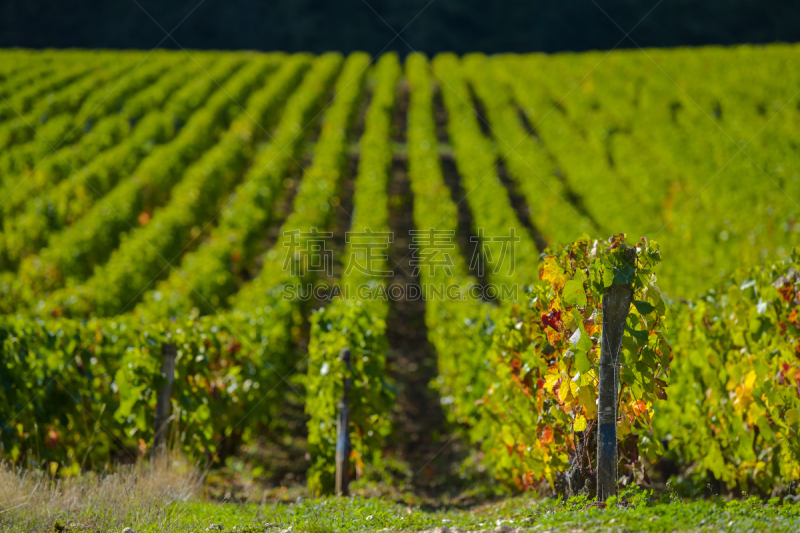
331 515
145 493
164 498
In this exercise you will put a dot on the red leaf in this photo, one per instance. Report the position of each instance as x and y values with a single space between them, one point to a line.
787 292
552 319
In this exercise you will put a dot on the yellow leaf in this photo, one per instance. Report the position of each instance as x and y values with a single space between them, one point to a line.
508 440
563 391
553 273
580 423
586 398
755 412
623 428
550 381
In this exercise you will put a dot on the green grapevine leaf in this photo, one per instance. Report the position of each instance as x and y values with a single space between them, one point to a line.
644 308
574 293
582 362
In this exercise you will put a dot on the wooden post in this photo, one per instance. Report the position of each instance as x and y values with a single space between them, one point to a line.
162 418
343 433
616 305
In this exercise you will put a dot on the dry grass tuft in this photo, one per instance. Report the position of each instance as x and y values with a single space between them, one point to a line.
141 494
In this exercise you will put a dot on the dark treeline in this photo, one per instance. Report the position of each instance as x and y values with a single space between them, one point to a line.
443 25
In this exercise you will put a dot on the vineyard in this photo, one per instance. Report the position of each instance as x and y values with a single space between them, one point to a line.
263 212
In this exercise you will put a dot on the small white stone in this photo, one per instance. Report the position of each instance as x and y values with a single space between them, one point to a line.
215 527
128 530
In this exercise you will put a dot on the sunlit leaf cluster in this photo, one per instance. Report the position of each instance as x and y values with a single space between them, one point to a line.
733 410
545 356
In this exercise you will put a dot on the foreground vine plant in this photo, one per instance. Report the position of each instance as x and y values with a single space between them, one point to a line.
540 410
733 412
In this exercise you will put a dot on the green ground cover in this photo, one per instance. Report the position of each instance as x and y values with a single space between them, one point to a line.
351 514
